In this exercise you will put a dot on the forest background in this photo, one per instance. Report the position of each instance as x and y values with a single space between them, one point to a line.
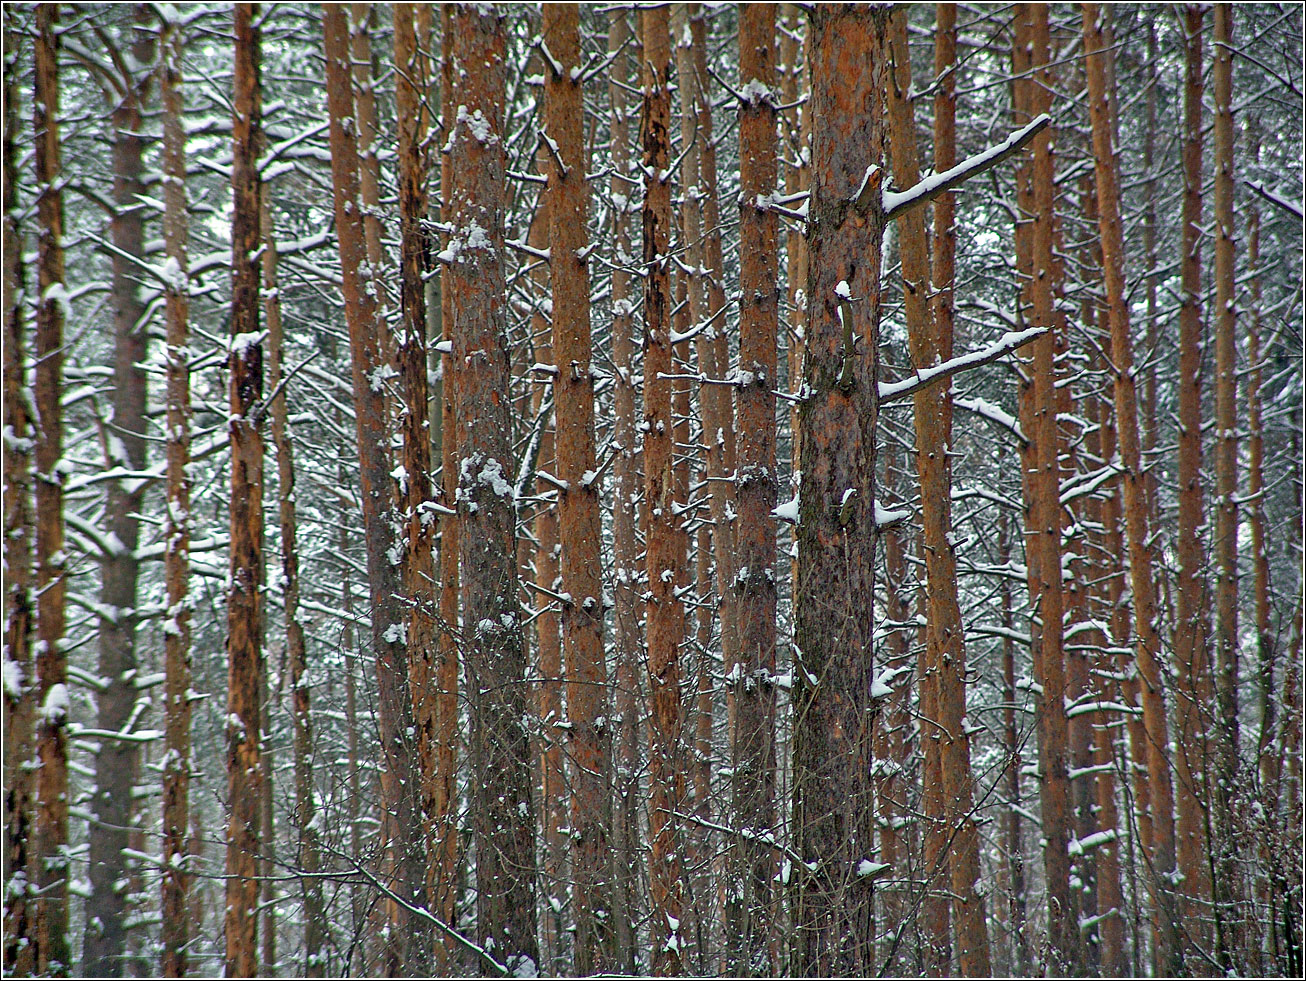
700 489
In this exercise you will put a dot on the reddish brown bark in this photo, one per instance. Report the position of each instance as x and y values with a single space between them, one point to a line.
401 785
244 604
502 811
664 617
753 737
1192 615
832 903
1043 521
1106 169
19 690
548 635
579 518
415 488
929 328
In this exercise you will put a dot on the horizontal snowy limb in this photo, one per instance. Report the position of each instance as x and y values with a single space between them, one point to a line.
896 203
1293 208
1008 342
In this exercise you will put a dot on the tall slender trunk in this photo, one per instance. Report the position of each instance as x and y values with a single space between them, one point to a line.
308 849
1192 688
664 617
753 736
833 901
548 635
175 931
625 547
1106 169
1105 666
929 327
1013 841
52 954
892 727
720 410
419 510
1226 887
447 653
502 811
580 518
19 688
401 784
117 763
1043 521
244 604
688 28
1270 765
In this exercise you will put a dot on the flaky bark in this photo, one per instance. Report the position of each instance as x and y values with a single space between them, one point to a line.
929 329
244 603
664 617
401 785
415 487
19 689
752 740
502 811
175 930
832 903
1106 169
579 518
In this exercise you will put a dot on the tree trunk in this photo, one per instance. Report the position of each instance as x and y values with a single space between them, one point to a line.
176 928
689 30
930 340
664 617
502 812
753 736
389 620
579 520
1192 688
447 653
833 906
308 851
1013 842
892 732
416 498
1106 167
1043 522
625 546
1226 888
549 713
244 605
116 764
19 689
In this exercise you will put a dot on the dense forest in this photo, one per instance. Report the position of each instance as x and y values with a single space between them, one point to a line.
513 490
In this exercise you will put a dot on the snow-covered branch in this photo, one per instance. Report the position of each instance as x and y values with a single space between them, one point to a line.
897 203
1008 342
